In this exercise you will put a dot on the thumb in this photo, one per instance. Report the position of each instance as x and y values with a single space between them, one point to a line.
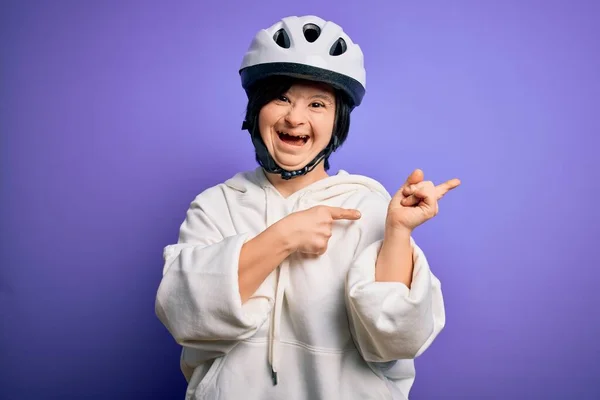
415 177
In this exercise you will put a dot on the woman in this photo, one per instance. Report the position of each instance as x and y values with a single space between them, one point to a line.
289 283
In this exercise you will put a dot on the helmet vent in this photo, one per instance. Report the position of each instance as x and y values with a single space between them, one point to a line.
338 48
282 39
311 32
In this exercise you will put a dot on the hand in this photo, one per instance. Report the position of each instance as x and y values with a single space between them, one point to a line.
309 230
416 201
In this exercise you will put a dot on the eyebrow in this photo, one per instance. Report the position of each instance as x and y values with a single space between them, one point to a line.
323 97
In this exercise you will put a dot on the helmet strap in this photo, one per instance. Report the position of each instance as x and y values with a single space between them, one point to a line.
269 165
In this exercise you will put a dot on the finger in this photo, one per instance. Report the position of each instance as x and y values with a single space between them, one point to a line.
423 191
445 187
416 198
311 256
411 189
425 195
410 201
440 189
408 190
415 177
338 213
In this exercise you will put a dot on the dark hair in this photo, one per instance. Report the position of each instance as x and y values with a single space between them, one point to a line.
267 90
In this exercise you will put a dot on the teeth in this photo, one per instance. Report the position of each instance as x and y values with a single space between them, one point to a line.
303 137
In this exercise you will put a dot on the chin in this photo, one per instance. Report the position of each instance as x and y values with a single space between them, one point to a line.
290 164
290 161
294 157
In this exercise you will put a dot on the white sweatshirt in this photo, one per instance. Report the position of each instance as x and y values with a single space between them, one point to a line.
321 326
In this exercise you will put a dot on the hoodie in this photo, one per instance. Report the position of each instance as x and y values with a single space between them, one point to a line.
317 327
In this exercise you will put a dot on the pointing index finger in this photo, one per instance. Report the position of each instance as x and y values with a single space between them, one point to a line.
338 213
447 186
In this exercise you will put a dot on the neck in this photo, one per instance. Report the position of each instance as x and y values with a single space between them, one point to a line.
291 186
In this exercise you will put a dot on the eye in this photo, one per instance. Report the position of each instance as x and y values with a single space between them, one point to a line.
317 105
283 98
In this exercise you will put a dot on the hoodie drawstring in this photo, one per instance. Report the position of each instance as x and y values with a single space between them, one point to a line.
274 340
283 277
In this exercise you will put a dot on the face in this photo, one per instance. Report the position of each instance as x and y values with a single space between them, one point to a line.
297 125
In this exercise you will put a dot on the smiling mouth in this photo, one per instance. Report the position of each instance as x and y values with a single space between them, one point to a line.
292 140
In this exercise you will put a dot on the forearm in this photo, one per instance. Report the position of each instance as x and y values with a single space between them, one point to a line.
260 256
395 258
393 314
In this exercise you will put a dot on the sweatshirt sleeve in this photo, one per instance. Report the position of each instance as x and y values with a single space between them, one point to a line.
388 320
198 298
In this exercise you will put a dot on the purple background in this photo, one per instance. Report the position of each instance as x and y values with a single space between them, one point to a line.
114 115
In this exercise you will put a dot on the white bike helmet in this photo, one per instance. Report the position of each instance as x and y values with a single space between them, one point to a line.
306 47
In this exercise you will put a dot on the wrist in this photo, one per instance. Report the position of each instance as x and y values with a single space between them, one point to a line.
395 258
397 233
285 235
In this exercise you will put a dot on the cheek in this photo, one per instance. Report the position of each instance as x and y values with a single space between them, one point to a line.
266 119
323 127
263 129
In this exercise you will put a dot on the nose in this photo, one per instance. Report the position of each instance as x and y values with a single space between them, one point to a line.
295 116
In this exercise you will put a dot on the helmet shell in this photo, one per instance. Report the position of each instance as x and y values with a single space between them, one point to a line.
306 47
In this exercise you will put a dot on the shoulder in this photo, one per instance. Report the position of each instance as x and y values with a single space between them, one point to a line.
213 205
372 199
365 194
369 191
217 195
